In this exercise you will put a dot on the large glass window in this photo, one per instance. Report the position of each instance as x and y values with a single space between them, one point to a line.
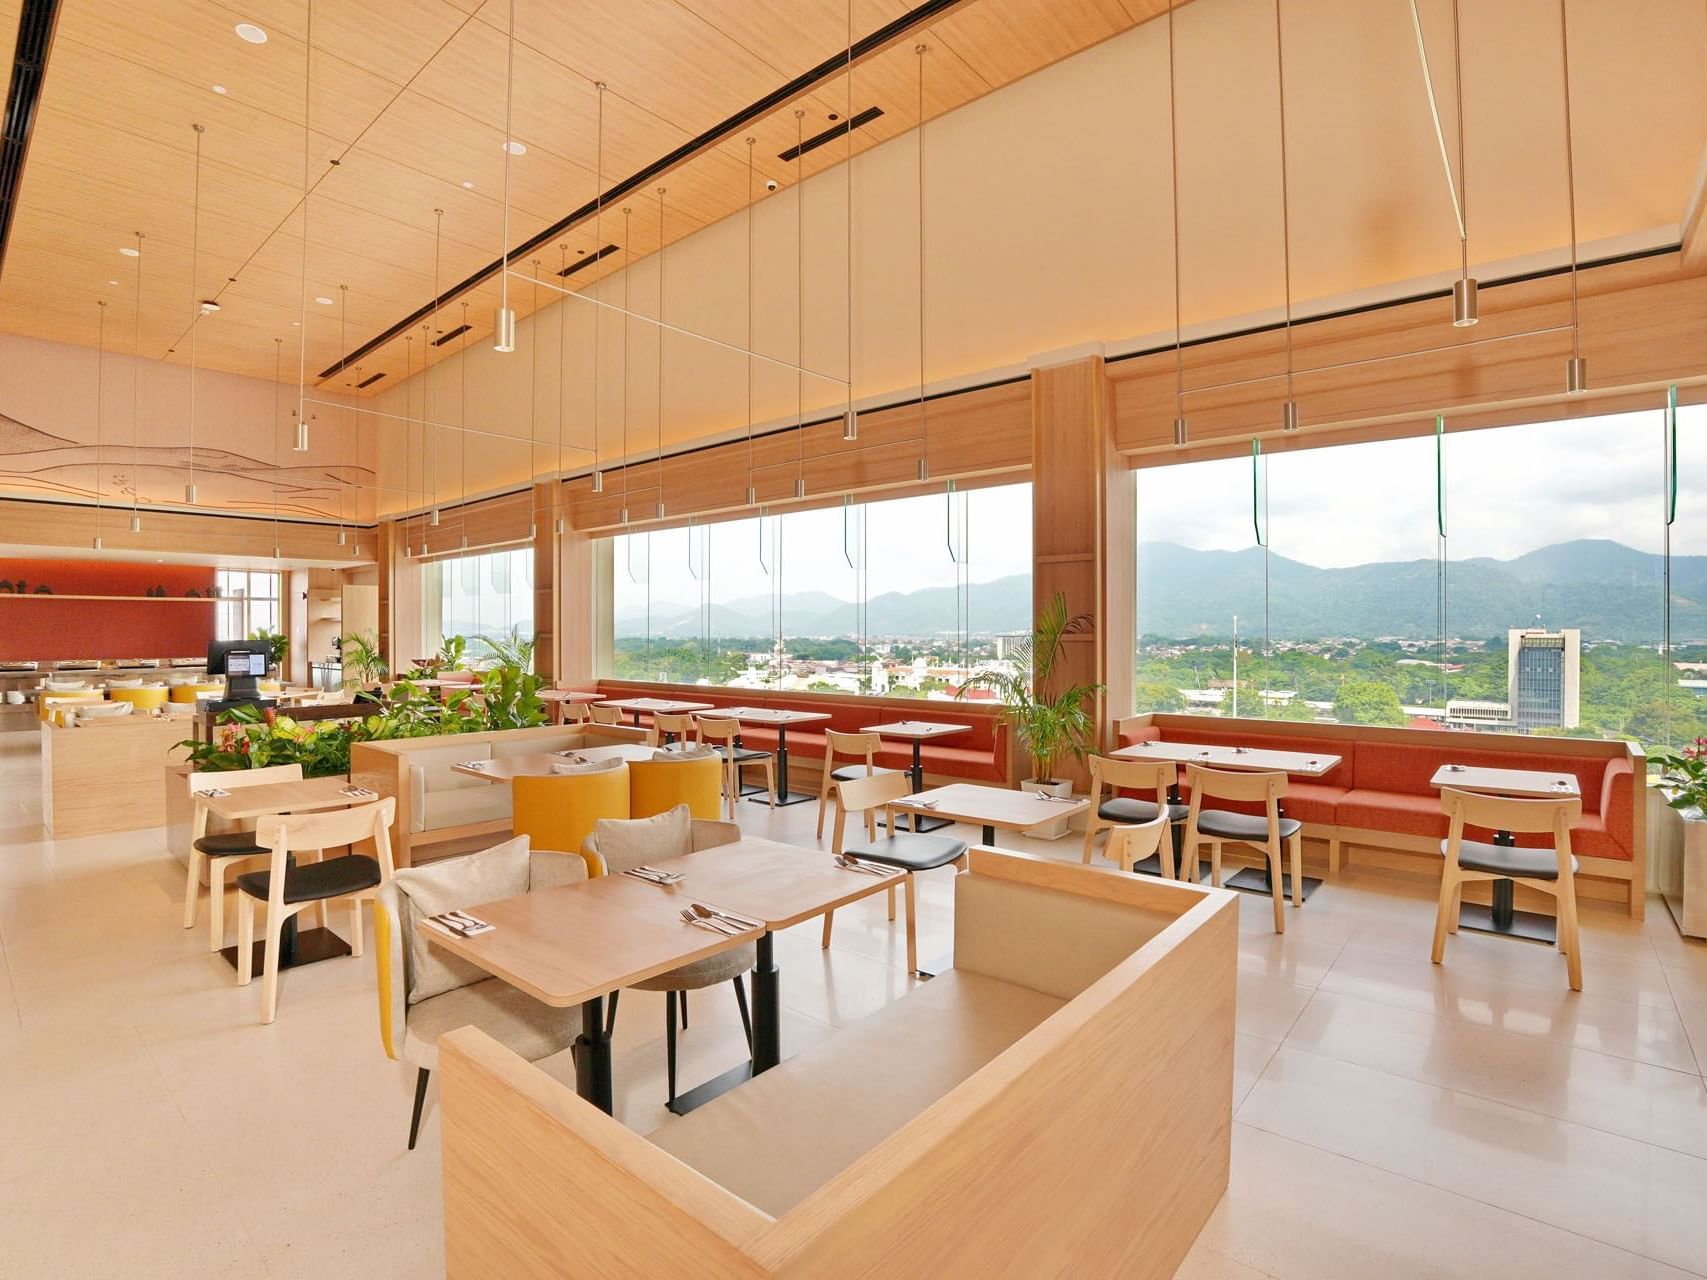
1501 580
249 602
488 595
902 597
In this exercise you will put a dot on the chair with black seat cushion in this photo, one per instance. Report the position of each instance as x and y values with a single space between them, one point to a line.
724 734
905 850
858 746
1158 777
1267 831
672 730
288 889
215 852
1551 871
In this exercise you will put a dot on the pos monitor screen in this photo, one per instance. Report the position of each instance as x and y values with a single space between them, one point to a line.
239 661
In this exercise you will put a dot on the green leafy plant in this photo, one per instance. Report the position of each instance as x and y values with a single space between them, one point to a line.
363 663
450 656
1051 723
512 650
247 738
278 644
1684 774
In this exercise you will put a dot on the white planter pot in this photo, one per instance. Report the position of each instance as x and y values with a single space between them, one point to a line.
1677 862
1059 828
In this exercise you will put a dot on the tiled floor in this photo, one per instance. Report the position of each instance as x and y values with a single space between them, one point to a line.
1393 1119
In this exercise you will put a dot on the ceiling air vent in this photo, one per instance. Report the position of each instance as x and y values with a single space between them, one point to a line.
838 130
368 382
29 63
587 261
454 333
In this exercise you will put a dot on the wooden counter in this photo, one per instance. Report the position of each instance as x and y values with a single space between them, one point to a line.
105 775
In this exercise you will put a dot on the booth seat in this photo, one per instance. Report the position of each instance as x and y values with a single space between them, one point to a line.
1379 793
440 797
1071 1070
979 755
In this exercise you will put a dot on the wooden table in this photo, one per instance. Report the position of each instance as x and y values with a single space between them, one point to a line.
1248 759
310 795
577 943
779 719
1501 915
990 807
655 706
918 732
537 764
561 698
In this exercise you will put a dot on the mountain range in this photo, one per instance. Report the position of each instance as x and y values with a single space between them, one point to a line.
1611 591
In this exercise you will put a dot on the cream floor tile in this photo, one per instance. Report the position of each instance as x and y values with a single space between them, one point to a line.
1296 956
1205 1264
1297 1212
1629 1030
1651 1104
1268 1006
1624 1193
1251 1055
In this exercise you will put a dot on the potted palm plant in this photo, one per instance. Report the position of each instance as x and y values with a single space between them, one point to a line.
1050 722
364 665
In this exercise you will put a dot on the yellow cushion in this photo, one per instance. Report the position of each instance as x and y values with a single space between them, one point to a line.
560 811
141 699
658 785
188 692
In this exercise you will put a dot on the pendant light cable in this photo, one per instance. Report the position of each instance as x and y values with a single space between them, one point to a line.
1576 372
850 427
533 410
1289 412
343 345
100 388
431 449
659 513
505 339
278 370
300 444
924 471
799 305
462 431
557 524
195 306
1182 430
136 398
752 488
1463 160
627 325
409 430
598 247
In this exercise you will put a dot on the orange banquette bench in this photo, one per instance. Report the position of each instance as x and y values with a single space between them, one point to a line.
1379 797
980 755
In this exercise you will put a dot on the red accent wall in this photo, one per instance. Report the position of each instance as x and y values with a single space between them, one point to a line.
43 625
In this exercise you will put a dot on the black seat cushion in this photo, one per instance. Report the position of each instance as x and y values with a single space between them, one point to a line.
1503 860
233 844
1226 825
912 852
1127 809
329 879
851 772
745 754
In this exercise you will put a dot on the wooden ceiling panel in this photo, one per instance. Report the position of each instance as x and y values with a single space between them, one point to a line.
391 41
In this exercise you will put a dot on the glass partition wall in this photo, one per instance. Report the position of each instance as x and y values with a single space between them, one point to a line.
487 596
901 597
1503 579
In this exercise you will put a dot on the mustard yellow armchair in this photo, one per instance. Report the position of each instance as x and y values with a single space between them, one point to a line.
559 812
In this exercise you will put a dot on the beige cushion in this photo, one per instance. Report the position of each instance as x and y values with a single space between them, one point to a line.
671 755
781 1136
628 842
511 1017
1053 942
502 747
547 869
725 966
125 684
590 766
450 885
465 806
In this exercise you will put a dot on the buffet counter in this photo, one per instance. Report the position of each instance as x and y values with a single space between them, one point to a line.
104 775
20 683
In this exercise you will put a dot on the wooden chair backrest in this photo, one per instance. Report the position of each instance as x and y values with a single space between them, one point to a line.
716 728
605 715
577 712
681 726
860 794
1233 784
231 779
1504 813
1135 775
329 830
862 745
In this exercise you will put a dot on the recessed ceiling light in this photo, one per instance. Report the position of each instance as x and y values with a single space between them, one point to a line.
296 324
112 282
209 306
469 185
218 88
130 252
250 32
325 302
516 148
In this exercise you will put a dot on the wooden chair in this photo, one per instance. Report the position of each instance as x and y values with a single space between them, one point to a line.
723 733
288 890
1549 870
217 852
907 850
1155 776
858 746
1267 832
672 730
604 715
577 713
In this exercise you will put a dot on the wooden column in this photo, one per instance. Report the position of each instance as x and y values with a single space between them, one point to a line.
388 546
578 604
546 661
1083 530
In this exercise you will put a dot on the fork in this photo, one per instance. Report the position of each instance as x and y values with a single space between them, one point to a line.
740 923
849 864
714 923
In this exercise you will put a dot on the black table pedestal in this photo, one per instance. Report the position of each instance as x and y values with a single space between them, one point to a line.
783 795
1501 916
592 1056
767 1036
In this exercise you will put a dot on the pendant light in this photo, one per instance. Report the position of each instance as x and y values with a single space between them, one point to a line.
136 398
599 243
195 307
1289 409
533 406
427 382
343 345
504 324
300 445
752 495
100 386
799 306
462 434
850 420
1576 368
658 511
1182 429
924 466
1466 310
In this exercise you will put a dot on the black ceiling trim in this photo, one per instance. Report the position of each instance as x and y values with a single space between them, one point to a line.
921 15
36 22
830 135
584 261
368 382
454 333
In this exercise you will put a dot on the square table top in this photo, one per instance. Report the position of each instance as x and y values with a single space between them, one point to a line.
571 943
569 695
668 706
537 764
1506 782
1258 759
306 796
770 715
990 806
918 729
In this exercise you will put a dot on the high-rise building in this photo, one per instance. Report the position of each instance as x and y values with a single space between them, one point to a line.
1544 678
